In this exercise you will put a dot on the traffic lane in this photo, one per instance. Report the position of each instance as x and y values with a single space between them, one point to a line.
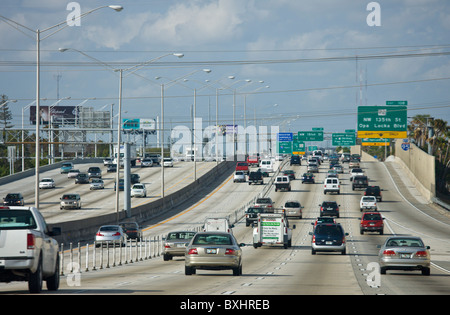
396 210
225 199
101 201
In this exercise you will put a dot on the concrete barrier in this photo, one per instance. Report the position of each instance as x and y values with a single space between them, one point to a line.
85 229
419 167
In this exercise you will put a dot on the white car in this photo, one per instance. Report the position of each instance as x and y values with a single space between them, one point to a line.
368 203
239 176
96 183
138 190
73 173
168 162
47 183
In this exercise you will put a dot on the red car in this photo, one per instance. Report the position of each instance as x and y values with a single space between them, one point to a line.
371 222
242 166
253 160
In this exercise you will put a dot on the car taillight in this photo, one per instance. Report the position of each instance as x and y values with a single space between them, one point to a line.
421 254
30 241
388 252
193 251
314 239
116 234
99 234
229 251
166 245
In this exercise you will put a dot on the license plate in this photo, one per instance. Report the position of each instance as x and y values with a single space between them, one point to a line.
405 256
2 262
329 243
211 251
372 224
181 245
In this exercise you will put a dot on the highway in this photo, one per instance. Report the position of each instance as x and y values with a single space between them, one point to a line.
292 271
98 202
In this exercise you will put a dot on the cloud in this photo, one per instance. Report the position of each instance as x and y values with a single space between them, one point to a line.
197 22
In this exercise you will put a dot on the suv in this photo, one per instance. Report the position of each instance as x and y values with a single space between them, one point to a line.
373 191
329 208
360 182
328 237
371 222
94 172
70 201
293 208
251 215
331 184
295 159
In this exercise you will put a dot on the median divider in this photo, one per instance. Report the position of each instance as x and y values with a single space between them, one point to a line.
85 229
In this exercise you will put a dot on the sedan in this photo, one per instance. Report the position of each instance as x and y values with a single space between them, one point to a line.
168 162
138 190
46 183
73 173
82 178
110 234
404 253
13 199
213 251
175 243
96 183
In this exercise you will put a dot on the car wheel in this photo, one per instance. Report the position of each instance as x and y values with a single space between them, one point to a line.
313 252
189 271
426 271
237 271
35 280
383 270
53 281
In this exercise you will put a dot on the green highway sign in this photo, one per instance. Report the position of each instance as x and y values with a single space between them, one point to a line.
310 135
343 139
285 147
388 121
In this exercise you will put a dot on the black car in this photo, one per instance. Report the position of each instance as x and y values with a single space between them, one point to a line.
255 178
132 230
135 178
82 178
360 182
374 191
13 199
295 160
251 215
112 168
329 208
308 178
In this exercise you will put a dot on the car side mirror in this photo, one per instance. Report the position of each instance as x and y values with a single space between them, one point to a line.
242 245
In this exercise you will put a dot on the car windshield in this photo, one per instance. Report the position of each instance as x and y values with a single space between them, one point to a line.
369 199
16 219
212 239
372 216
329 204
12 196
180 235
264 201
329 230
292 204
254 210
138 187
69 197
109 228
405 242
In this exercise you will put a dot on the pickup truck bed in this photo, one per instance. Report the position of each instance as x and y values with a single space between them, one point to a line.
27 251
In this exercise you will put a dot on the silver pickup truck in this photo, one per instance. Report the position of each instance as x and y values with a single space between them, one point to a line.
27 250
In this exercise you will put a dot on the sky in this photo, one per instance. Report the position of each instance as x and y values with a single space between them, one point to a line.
318 60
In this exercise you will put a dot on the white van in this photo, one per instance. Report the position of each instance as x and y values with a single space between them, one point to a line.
331 184
266 166
217 224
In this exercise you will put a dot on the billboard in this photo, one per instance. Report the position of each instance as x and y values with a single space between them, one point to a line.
59 113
